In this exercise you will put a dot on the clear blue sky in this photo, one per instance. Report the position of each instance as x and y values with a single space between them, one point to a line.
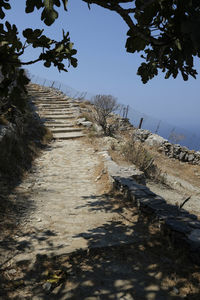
105 68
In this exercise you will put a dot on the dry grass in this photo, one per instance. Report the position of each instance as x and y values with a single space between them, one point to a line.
87 115
172 166
135 153
3 120
48 136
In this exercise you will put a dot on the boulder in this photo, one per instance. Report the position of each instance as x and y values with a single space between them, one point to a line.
141 134
84 122
87 124
182 156
155 140
191 157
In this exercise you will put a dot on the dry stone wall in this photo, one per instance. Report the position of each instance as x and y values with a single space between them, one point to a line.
171 150
181 227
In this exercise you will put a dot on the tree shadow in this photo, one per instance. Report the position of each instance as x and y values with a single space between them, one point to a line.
17 158
126 259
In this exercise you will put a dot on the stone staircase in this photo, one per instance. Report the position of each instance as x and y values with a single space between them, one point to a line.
57 111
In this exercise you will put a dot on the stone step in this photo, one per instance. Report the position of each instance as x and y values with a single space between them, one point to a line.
46 100
48 113
53 113
49 97
42 102
52 108
57 104
58 125
68 135
58 108
65 129
58 117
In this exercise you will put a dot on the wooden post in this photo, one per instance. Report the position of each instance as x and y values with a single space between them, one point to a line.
140 125
127 108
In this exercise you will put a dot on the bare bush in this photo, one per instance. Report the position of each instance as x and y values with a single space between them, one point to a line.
138 155
104 105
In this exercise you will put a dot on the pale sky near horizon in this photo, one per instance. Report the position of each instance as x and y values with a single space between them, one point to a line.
105 68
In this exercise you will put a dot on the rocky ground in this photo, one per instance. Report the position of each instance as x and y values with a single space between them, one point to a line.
74 239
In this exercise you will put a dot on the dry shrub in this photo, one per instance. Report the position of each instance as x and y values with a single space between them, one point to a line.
48 136
104 105
87 115
84 104
3 120
136 153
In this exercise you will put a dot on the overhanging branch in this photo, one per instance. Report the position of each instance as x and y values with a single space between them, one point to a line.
124 13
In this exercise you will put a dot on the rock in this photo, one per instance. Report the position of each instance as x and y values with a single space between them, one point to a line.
155 140
109 142
160 149
11 271
47 286
87 124
195 235
190 157
141 134
97 128
175 290
181 156
179 226
80 120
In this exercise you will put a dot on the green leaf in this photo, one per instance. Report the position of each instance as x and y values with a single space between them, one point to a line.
65 4
47 64
31 4
49 14
74 62
178 44
27 32
185 76
5 5
60 48
37 32
134 44
168 74
8 25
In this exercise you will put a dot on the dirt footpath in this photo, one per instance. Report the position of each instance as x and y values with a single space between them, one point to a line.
73 242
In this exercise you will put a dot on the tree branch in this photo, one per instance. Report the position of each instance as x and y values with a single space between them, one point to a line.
15 62
124 13
31 62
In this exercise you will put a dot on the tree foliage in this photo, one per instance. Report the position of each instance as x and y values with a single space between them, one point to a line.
165 31
52 52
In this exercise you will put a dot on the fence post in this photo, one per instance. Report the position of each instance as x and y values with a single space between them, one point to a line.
158 126
127 108
140 125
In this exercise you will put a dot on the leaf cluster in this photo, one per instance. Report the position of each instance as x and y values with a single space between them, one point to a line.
165 32
49 13
52 52
168 37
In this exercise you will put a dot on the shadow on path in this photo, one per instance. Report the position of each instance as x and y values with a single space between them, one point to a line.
136 267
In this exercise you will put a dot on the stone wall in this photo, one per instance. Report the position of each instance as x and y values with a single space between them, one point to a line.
181 227
171 150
